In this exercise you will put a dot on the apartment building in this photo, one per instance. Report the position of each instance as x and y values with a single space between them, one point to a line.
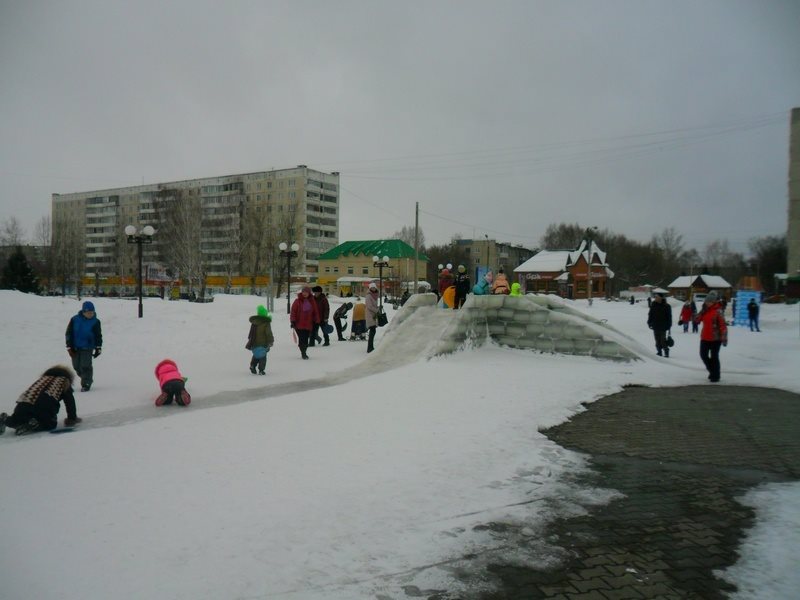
493 254
295 205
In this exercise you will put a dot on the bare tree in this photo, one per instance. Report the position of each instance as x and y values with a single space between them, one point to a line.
11 233
180 235
284 229
68 253
257 243
406 234
562 236
43 237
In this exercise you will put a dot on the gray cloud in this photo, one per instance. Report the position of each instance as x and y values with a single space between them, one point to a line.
498 117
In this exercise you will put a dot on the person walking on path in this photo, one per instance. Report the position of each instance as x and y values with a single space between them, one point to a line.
260 339
324 314
303 316
84 339
37 407
172 384
338 316
752 314
687 314
659 319
713 335
371 302
463 286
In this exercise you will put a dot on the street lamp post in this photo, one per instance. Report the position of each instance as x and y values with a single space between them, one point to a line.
380 263
145 236
289 252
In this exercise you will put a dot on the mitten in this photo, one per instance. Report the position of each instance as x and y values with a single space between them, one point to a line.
97 352
71 352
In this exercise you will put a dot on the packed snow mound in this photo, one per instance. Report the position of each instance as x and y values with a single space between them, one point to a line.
531 322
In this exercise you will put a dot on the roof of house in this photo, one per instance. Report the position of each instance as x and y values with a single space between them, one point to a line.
558 260
709 281
545 261
390 248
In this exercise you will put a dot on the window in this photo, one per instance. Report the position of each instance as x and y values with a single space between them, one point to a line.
349 270
365 270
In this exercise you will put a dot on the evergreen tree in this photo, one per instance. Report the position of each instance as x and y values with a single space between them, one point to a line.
18 274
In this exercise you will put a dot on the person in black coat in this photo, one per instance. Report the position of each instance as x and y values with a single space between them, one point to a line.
752 314
338 317
37 407
324 313
659 319
463 286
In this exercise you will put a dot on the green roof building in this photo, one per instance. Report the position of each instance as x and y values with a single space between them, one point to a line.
349 267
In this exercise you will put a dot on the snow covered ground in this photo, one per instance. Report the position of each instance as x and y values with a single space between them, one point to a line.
327 478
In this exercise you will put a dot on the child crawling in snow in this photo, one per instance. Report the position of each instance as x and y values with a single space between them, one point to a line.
172 384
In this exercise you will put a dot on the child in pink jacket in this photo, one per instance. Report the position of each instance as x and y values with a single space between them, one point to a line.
172 384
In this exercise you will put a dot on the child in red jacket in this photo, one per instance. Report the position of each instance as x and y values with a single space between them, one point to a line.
172 384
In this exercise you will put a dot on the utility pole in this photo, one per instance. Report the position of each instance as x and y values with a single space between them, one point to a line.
416 246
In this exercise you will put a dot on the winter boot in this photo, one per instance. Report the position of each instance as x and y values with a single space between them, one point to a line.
162 398
303 354
30 427
3 417
666 352
253 369
71 422
184 399
262 372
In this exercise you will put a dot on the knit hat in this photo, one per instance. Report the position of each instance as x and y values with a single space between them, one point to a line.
711 297
262 311
87 306
373 286
306 290
316 288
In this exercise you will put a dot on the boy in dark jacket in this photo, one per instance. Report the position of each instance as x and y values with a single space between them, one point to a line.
37 407
338 317
659 319
260 339
324 313
84 339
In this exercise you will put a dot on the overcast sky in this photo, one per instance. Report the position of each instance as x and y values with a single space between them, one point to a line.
498 117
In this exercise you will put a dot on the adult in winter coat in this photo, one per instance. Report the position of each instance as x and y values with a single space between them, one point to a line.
303 316
84 339
324 314
484 286
713 335
752 314
659 319
371 302
340 315
37 407
463 286
687 314
500 285
260 339
172 384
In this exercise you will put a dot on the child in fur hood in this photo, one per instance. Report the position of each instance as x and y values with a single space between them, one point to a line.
37 407
260 339
172 383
